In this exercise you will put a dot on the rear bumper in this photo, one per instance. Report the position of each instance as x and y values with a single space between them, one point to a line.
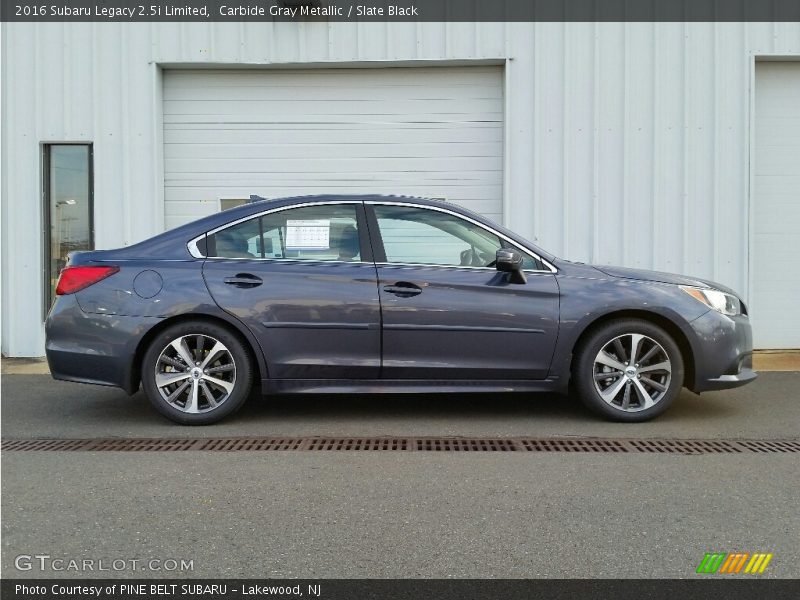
724 353
93 348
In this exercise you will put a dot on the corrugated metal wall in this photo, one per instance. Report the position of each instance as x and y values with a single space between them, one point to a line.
626 143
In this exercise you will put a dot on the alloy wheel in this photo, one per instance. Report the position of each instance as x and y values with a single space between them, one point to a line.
195 373
632 372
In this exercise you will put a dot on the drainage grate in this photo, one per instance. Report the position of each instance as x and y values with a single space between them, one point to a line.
395 444
409 444
465 445
766 446
140 445
546 445
685 446
21 445
245 444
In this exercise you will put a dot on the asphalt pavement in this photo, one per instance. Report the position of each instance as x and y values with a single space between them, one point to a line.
37 406
394 514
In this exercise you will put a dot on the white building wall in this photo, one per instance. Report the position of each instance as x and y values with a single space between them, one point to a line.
627 143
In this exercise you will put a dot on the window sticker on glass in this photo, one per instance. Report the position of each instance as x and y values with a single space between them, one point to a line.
308 234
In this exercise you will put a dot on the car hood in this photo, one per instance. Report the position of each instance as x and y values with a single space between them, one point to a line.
660 277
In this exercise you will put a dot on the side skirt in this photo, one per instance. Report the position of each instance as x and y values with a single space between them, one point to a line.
404 386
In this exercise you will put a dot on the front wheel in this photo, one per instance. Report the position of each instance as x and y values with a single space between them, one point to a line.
196 373
628 370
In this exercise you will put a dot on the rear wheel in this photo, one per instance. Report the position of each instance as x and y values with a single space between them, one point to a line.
196 373
628 370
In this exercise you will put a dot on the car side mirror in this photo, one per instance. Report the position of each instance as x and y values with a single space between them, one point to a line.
510 261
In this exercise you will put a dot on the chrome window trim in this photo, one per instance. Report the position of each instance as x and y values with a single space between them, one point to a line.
195 251
192 247
292 260
550 268
433 266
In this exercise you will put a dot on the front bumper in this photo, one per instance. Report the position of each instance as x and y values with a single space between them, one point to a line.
725 382
723 352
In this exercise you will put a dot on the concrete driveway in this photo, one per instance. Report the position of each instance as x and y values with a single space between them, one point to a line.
384 514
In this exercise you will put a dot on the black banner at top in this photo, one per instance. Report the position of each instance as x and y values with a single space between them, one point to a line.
399 10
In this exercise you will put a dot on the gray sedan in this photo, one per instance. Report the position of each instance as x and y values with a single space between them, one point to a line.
374 294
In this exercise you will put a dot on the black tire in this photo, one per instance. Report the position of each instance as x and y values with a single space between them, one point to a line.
233 367
587 372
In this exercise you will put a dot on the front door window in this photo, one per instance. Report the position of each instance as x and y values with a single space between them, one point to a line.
422 236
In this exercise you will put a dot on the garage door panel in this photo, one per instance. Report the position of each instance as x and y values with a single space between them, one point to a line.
331 77
771 222
221 125
268 179
463 196
407 131
446 190
776 206
474 133
776 184
342 151
366 106
777 160
335 93
338 165
778 132
414 79
283 119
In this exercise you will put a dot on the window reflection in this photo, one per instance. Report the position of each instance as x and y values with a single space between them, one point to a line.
68 200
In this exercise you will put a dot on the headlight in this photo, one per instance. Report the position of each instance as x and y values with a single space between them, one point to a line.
727 304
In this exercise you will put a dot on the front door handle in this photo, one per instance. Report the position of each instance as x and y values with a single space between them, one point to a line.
244 280
404 289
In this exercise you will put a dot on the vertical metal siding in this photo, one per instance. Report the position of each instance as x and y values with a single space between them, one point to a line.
627 142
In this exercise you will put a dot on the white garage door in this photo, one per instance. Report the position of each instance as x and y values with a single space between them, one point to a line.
435 132
776 206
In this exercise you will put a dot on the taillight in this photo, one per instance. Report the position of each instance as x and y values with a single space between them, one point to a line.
74 279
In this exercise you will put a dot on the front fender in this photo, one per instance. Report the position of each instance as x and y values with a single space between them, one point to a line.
588 300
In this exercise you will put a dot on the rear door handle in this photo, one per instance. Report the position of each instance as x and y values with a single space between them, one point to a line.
404 289
244 280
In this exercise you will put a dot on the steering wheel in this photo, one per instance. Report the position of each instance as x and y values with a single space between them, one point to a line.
472 258
467 257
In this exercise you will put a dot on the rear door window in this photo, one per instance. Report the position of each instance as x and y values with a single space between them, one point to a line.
322 233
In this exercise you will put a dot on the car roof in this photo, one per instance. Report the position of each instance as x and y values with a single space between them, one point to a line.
251 208
173 242
266 204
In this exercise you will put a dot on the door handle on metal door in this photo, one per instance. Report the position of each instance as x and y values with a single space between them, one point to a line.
244 280
404 289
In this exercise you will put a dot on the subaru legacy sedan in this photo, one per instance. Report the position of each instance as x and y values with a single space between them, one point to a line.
383 294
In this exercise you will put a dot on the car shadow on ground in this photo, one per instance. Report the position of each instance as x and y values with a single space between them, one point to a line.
34 405
472 406
383 406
